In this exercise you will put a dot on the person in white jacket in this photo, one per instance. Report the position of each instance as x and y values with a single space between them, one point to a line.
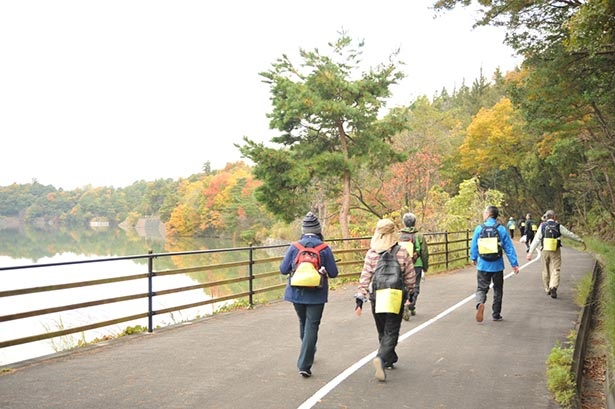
549 237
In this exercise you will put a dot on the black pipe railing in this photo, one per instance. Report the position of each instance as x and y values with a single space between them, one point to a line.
447 250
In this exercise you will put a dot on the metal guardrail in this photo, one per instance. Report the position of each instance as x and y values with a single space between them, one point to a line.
447 250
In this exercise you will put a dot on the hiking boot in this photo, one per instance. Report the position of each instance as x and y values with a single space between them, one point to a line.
480 310
406 315
553 292
306 373
379 367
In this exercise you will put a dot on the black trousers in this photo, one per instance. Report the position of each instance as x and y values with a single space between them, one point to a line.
484 279
388 326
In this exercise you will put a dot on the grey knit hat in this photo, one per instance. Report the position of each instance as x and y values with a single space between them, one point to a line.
310 224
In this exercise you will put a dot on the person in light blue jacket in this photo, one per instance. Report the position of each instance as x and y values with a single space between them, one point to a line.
309 303
490 268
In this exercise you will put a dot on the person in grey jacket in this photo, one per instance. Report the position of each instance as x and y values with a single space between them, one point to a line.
551 256
309 303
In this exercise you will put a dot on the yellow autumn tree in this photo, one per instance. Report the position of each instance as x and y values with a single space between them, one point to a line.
494 140
185 217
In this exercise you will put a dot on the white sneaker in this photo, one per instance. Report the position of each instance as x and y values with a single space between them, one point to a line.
379 367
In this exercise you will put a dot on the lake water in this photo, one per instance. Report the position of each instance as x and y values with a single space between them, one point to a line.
35 246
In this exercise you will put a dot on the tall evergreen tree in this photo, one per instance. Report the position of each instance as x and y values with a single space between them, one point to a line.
328 116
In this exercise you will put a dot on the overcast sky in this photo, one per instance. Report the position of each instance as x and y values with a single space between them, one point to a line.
106 93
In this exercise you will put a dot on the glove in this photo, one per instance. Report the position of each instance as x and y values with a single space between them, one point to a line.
359 303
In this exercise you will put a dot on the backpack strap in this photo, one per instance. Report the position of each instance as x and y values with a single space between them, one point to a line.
395 249
321 247
300 247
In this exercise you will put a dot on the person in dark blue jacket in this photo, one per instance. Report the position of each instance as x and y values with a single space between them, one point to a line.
309 302
491 269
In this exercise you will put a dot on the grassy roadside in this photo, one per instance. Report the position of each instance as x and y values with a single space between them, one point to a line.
560 380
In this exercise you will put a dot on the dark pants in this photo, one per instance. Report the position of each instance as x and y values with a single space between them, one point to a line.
528 242
484 279
388 326
417 288
309 321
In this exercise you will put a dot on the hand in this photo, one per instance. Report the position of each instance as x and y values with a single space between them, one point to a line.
529 256
474 262
359 307
516 269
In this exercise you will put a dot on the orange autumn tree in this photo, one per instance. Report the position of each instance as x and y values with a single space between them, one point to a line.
184 218
219 203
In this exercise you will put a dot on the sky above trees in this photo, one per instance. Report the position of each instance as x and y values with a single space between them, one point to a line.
115 92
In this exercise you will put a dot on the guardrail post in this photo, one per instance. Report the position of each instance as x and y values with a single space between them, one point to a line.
446 259
251 272
150 292
468 240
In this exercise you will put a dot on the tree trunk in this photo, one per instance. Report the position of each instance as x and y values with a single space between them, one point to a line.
345 210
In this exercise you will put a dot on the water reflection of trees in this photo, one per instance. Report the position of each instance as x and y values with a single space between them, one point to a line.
35 243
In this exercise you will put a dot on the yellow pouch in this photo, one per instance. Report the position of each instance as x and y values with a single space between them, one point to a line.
488 245
549 244
388 300
305 276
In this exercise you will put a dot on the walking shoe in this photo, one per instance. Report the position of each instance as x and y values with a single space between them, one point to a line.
413 311
497 317
406 315
306 373
379 367
548 291
553 292
480 310
389 366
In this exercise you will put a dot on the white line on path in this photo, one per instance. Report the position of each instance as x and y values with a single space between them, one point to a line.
333 383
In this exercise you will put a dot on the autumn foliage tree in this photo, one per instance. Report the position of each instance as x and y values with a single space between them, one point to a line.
567 98
220 203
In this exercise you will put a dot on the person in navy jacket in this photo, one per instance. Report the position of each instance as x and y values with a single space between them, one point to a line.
309 303
489 271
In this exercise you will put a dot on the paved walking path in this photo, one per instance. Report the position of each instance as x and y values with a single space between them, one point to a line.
247 358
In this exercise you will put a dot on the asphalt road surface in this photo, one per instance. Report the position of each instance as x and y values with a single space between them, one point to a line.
247 358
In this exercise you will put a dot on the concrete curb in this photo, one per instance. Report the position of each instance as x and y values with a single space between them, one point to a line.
580 344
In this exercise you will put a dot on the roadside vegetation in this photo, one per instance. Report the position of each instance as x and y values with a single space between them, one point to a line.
560 379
